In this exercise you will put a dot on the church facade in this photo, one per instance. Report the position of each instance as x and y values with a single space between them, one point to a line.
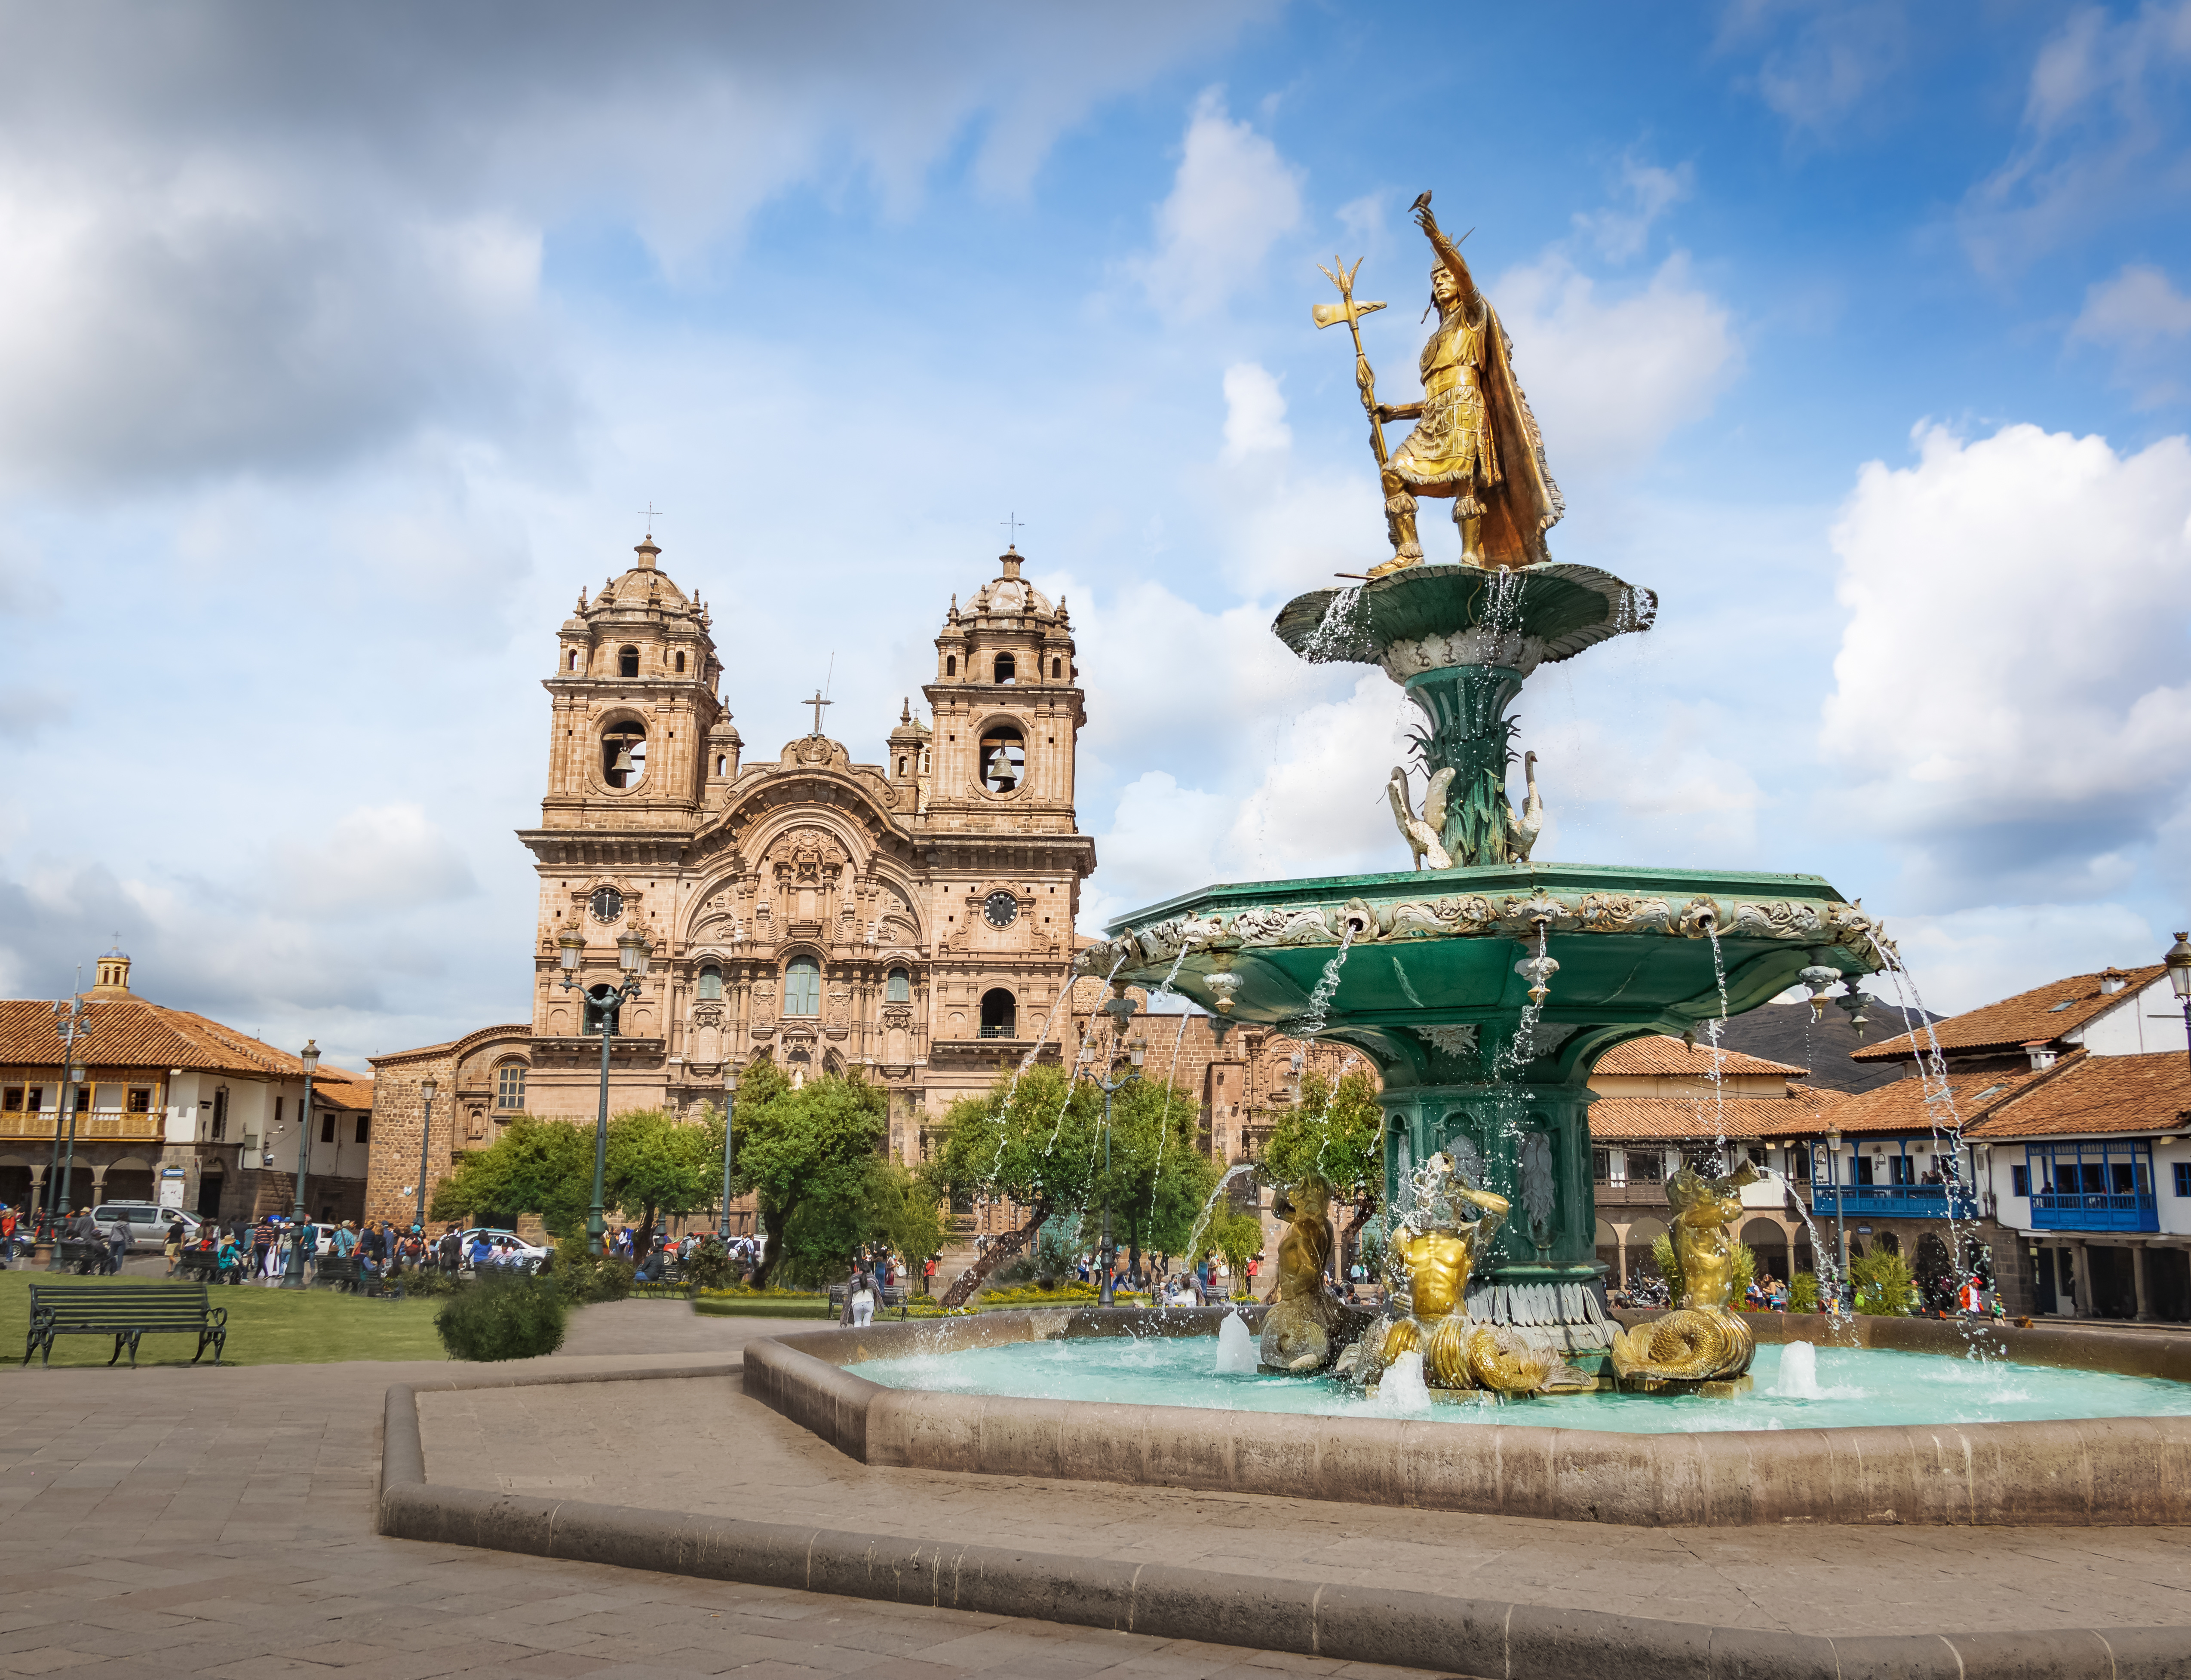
912 918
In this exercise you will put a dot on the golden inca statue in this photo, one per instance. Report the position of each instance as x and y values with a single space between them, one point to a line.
1474 441
1431 1265
1704 1339
1297 1329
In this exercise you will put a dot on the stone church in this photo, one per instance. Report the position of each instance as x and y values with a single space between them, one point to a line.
911 917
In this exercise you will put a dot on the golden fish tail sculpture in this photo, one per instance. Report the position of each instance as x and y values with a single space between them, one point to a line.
1499 1358
1693 1344
1445 1361
1296 1338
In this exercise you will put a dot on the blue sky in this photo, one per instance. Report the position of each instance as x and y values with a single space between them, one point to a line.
337 347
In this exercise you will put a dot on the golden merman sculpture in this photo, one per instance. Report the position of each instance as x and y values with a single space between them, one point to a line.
1704 1339
1297 1329
1430 1262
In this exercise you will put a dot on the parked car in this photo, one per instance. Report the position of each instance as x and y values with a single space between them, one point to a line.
148 1225
526 1256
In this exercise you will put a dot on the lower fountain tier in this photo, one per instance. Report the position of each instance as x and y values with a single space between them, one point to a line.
1427 987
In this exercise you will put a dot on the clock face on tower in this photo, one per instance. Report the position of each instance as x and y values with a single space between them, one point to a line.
607 904
1000 909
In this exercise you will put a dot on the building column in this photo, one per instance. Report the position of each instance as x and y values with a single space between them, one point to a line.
2138 1277
2082 1303
1620 1253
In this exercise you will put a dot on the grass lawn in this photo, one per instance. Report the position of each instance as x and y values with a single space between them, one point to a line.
265 1327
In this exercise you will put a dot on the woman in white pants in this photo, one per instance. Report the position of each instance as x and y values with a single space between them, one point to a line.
863 1300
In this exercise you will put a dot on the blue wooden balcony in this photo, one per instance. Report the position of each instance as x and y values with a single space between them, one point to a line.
1893 1201
2094 1210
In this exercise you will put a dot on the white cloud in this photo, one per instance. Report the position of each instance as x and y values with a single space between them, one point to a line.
368 859
1610 380
1232 198
1255 413
1620 232
1673 801
1977 956
1831 58
2102 135
2010 692
2142 315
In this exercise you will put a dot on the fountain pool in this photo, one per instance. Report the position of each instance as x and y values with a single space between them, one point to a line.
1852 1387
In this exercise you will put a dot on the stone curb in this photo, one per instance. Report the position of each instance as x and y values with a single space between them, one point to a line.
1474 1639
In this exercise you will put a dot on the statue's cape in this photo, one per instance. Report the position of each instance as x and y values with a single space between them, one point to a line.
1524 502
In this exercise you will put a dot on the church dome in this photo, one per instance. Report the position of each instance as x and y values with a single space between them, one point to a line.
1011 596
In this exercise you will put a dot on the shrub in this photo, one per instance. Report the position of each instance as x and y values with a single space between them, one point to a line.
427 1281
504 1319
1884 1287
581 1278
710 1266
1803 1292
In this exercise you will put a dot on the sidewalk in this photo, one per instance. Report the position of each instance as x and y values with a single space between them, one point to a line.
189 1522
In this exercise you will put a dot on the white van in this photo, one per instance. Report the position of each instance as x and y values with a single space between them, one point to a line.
148 1225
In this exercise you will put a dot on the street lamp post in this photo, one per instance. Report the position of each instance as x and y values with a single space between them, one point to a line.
603 1002
69 1096
293 1275
1120 1009
729 1148
1841 1218
2178 960
426 1090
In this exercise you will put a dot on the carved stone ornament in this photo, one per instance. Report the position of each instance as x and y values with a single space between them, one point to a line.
708 1015
1537 1187
1450 1040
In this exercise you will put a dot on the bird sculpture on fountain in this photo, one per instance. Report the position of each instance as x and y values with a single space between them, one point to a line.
1521 830
1421 833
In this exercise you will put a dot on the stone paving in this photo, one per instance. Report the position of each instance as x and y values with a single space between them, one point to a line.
700 1445
179 1522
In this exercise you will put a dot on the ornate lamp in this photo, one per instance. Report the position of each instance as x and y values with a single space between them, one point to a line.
571 945
2178 963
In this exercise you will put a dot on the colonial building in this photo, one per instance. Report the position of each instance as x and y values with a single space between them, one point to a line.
911 918
172 1109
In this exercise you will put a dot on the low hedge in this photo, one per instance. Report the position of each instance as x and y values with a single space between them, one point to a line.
504 1319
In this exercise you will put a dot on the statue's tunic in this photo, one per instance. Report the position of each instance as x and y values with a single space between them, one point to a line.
1451 444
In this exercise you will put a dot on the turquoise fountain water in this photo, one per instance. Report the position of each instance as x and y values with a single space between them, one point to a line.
1797 1388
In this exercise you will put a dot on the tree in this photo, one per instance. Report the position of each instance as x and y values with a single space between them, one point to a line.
536 1166
1158 1179
1034 1141
655 1166
808 1155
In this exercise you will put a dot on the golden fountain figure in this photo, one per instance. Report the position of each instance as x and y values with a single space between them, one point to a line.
1431 1266
1474 440
1297 1329
1704 1340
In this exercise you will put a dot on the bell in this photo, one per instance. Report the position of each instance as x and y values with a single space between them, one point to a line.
623 765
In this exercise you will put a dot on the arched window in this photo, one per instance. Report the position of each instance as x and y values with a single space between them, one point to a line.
722 764
899 988
1003 760
1057 667
509 1085
802 987
574 659
900 764
624 753
711 985
951 664
999 1013
681 661
1008 668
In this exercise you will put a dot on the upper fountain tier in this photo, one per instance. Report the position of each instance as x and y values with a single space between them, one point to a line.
1433 618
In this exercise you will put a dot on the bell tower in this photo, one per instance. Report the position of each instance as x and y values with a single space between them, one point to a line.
997 827
634 703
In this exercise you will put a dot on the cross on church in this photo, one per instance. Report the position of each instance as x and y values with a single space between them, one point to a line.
652 512
818 703
1012 529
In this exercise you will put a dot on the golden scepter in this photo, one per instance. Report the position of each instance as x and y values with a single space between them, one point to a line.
1347 310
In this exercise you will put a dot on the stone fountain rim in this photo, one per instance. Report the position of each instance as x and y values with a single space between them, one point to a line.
2077 1473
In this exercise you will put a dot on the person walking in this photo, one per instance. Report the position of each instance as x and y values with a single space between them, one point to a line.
172 1244
7 1236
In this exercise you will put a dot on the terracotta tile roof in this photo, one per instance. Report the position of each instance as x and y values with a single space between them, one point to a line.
2097 1094
1658 1055
1909 1105
1803 1113
131 1033
2037 1016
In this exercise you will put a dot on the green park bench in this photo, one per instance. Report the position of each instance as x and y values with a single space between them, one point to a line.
126 1311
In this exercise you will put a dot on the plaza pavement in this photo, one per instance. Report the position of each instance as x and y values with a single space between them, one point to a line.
175 1522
